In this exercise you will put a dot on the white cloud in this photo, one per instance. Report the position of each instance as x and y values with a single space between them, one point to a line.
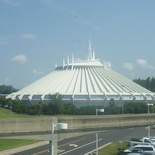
128 66
35 71
20 58
143 63
29 36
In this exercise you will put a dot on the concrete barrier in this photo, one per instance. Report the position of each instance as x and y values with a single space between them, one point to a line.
40 128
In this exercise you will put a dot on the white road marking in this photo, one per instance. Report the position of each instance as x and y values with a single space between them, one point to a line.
59 151
74 145
80 147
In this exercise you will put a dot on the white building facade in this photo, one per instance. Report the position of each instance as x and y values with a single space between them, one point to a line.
84 82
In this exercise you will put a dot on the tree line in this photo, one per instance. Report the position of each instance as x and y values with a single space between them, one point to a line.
56 106
148 83
7 89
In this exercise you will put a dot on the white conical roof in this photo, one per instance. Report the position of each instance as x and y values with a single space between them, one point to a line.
84 80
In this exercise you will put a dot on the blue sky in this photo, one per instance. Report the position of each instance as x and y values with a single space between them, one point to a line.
36 34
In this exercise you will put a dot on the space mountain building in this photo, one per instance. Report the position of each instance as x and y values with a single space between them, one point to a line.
82 83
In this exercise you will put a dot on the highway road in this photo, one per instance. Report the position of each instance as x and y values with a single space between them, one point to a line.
83 144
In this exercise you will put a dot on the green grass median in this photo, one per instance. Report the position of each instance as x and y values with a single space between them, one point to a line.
13 143
6 113
113 148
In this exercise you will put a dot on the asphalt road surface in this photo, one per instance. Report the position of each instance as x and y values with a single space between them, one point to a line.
84 144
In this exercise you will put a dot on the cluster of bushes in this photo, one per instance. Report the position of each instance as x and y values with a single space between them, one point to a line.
56 106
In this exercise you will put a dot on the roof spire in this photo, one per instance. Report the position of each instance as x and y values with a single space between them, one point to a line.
63 61
90 51
68 60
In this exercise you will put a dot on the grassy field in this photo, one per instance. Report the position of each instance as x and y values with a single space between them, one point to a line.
113 148
6 113
13 143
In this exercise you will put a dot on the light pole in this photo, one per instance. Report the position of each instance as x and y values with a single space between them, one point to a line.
97 110
149 131
148 104
62 126
97 143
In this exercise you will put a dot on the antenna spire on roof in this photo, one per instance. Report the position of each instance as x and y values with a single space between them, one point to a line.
55 65
91 54
63 61
68 60
72 58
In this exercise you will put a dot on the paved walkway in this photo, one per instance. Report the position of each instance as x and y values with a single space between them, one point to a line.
23 148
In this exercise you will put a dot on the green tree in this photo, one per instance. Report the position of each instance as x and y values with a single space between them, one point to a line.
148 83
153 84
7 89
3 102
34 110
135 107
56 105
112 108
19 107
70 109
88 110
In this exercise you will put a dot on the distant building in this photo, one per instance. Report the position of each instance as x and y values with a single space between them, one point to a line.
84 82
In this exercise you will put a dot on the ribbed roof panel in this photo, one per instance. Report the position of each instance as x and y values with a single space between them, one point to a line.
84 79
